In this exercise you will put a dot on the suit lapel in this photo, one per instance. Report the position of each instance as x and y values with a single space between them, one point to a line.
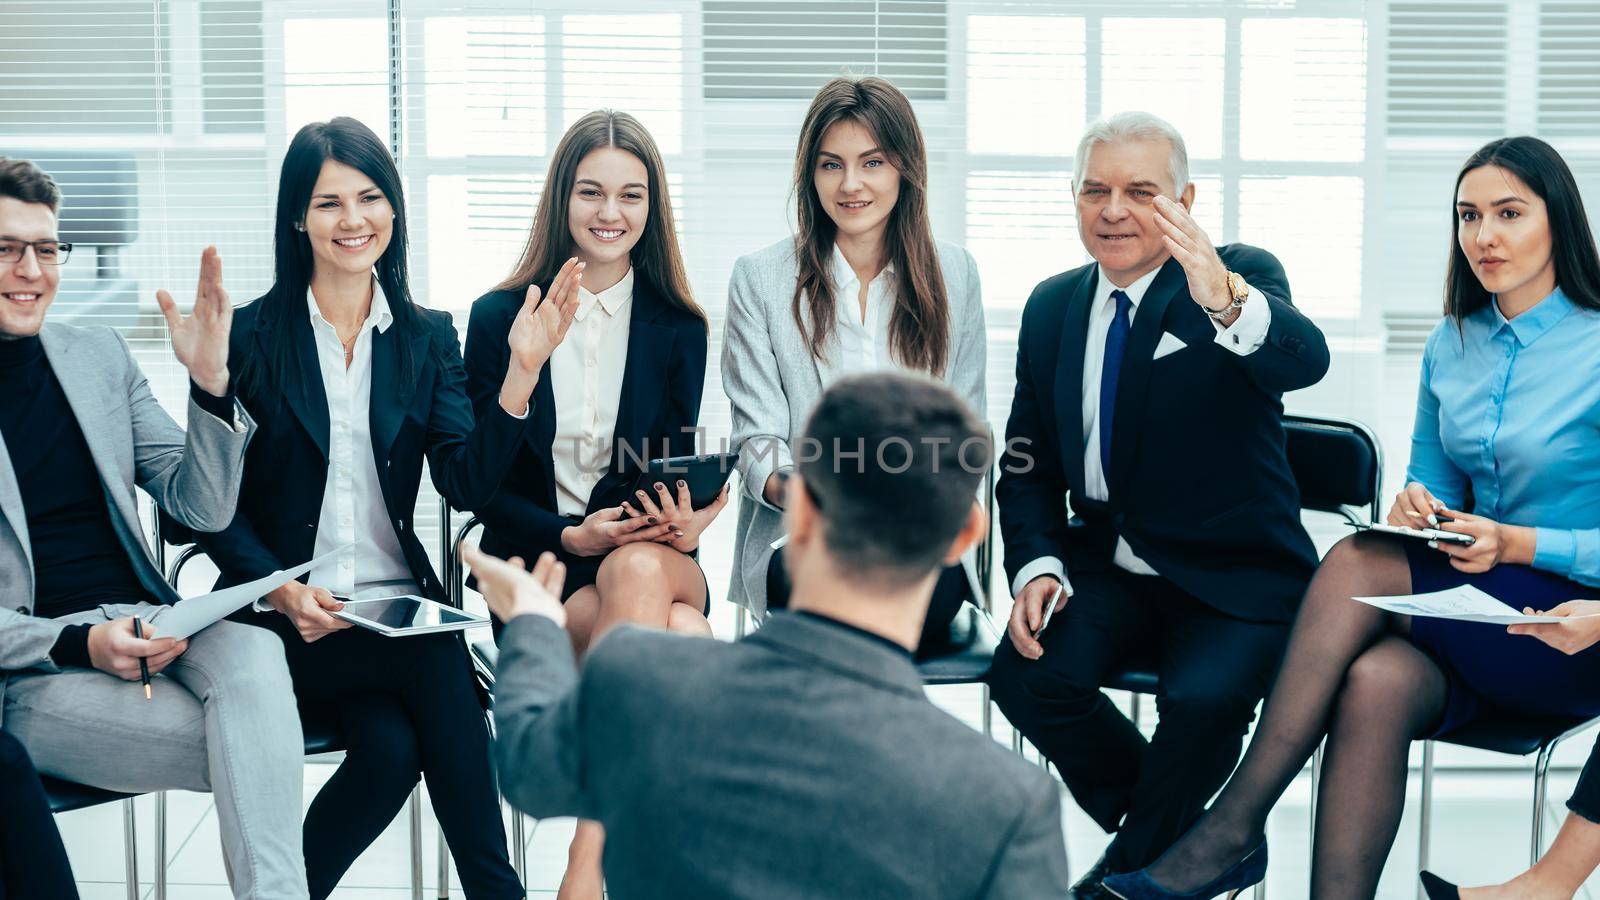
1069 379
302 386
84 387
643 376
540 431
1133 379
393 389
11 505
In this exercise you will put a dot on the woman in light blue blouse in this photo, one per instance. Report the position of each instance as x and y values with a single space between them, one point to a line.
1506 448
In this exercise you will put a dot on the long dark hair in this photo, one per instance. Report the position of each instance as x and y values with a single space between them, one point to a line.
919 326
1537 165
656 257
347 141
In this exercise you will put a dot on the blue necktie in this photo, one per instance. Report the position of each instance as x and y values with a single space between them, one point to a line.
1116 343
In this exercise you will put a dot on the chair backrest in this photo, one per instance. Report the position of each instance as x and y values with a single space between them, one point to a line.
1337 463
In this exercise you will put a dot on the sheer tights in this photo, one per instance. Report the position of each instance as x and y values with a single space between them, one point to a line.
1349 673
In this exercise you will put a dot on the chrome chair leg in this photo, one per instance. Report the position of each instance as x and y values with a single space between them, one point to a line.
416 842
130 848
988 713
519 846
1425 820
161 845
738 620
1134 705
1541 772
1016 741
1316 787
444 867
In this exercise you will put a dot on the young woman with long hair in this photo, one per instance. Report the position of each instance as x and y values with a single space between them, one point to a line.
352 384
1504 449
623 385
862 286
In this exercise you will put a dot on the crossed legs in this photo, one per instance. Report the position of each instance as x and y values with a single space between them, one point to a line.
1348 673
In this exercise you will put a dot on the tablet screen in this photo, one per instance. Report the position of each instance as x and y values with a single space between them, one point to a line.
406 612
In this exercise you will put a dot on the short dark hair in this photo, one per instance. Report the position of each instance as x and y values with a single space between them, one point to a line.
893 463
22 180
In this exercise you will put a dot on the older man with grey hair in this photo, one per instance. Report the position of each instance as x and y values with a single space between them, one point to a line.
1146 457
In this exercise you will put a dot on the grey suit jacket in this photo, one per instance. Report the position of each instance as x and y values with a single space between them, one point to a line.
195 477
803 761
772 383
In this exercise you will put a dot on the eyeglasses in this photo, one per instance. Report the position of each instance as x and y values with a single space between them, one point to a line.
48 253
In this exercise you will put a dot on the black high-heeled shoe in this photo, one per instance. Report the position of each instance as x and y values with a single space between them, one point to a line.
1437 888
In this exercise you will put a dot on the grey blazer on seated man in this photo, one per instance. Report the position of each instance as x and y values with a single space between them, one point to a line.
803 761
772 382
193 476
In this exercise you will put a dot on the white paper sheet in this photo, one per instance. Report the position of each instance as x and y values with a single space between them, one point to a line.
1465 603
194 613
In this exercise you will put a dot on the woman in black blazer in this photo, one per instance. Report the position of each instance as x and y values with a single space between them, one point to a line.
351 385
623 386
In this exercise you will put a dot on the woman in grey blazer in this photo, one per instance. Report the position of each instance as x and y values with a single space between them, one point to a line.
863 286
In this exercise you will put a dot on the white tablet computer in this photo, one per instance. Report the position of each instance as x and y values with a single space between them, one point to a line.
407 615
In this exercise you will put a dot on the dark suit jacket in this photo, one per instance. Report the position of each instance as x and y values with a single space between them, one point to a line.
656 416
803 761
416 413
1200 483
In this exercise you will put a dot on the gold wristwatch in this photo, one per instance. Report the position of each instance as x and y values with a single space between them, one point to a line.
1238 290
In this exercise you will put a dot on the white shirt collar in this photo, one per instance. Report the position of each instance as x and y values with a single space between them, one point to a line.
378 316
1136 291
844 277
611 299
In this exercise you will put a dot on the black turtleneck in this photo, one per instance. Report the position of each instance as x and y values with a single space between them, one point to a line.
78 562
872 635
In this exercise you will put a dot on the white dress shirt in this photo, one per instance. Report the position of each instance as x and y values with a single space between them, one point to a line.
352 501
586 373
1245 336
862 343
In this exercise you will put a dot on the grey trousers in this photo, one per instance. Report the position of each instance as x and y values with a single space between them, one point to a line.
223 719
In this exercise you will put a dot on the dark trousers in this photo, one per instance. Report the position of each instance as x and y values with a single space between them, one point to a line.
404 706
33 863
949 592
1214 669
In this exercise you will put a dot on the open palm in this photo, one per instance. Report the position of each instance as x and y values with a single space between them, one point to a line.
540 327
200 339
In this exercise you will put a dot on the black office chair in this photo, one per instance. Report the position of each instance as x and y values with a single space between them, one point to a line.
1338 467
966 654
1515 735
68 796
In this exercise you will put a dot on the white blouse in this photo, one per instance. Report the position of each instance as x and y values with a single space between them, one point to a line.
586 373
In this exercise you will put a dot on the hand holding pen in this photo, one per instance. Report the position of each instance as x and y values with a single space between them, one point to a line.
115 648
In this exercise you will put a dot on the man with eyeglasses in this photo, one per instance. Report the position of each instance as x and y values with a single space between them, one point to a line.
81 600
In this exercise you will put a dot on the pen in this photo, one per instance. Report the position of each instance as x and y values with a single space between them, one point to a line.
144 667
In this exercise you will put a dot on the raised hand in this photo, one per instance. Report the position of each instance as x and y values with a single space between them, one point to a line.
511 591
1192 248
539 327
200 340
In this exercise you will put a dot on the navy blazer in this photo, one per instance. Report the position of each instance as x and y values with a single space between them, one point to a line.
657 414
1200 485
416 413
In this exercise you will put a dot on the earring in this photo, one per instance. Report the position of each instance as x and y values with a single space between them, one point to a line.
299 227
